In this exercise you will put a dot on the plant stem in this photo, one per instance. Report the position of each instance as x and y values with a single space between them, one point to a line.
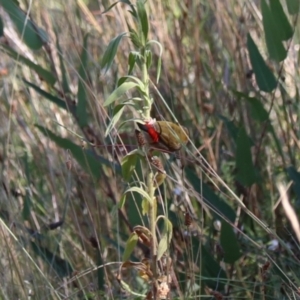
147 107
152 217
150 182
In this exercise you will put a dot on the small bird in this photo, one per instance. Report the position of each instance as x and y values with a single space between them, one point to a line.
164 135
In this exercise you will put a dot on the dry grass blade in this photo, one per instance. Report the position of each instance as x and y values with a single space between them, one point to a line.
289 210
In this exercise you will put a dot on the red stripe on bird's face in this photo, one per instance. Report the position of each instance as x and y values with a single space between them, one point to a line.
152 133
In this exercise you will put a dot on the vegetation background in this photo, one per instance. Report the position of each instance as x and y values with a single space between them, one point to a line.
229 73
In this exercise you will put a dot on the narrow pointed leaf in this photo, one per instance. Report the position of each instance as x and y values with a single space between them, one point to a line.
145 207
213 274
141 192
1 27
211 199
118 111
111 51
158 69
128 164
119 91
133 11
273 39
246 174
26 206
109 8
131 61
122 201
82 99
65 81
43 74
143 18
101 274
27 29
258 112
59 102
293 6
130 245
148 59
264 77
229 243
230 126
137 80
165 238
284 29
134 37
90 163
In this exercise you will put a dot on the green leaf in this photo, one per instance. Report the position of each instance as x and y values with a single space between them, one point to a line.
122 201
264 77
138 81
229 243
118 111
293 6
26 206
133 12
121 1
110 7
143 19
59 102
130 245
158 69
145 207
213 274
295 176
29 31
43 74
141 192
231 127
258 111
65 81
101 274
140 84
284 28
82 99
217 205
132 60
132 200
273 40
165 239
119 91
1 27
61 266
134 37
111 51
121 80
42 35
148 59
128 164
245 173
92 164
